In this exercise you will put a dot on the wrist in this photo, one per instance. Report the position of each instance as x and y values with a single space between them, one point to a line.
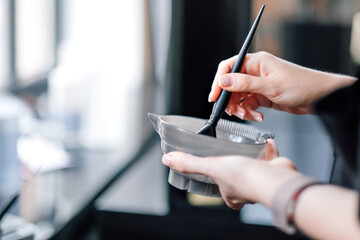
285 200
265 179
332 82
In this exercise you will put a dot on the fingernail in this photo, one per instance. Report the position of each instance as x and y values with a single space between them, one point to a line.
166 160
240 115
225 81
209 99
228 111
258 119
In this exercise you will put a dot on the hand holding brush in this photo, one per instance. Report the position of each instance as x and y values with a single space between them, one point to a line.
222 102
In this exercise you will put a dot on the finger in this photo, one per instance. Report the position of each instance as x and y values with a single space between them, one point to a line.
215 91
240 112
283 162
239 82
253 63
235 204
223 68
187 163
252 67
253 115
250 103
248 114
234 102
247 109
271 150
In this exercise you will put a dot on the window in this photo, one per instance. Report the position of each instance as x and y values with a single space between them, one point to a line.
3 42
35 38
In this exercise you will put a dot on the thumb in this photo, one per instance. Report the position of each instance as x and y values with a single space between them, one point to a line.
187 163
240 82
271 150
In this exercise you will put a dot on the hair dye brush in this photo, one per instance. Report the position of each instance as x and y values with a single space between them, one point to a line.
223 100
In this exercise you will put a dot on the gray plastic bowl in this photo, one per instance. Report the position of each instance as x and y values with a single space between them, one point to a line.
178 133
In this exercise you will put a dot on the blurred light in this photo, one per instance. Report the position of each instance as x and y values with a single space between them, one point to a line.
35 38
3 42
41 155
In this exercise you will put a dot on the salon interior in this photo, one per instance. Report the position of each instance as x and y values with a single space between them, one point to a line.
80 157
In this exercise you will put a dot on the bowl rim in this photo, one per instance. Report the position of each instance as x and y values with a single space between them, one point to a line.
209 138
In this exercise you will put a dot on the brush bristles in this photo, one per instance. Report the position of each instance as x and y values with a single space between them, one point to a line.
208 130
243 130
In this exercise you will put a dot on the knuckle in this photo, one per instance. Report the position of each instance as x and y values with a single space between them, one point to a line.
265 55
181 168
226 63
244 82
222 64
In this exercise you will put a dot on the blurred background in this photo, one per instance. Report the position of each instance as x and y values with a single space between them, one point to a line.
77 79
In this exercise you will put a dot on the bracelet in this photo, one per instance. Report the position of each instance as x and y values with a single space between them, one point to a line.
284 202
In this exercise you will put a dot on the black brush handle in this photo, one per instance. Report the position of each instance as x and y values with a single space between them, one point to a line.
224 98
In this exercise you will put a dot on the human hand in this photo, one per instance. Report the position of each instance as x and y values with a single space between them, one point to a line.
268 81
240 179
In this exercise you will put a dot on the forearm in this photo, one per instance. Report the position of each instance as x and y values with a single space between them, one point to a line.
321 211
341 81
328 212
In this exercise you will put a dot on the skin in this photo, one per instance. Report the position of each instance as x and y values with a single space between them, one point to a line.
322 211
268 81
